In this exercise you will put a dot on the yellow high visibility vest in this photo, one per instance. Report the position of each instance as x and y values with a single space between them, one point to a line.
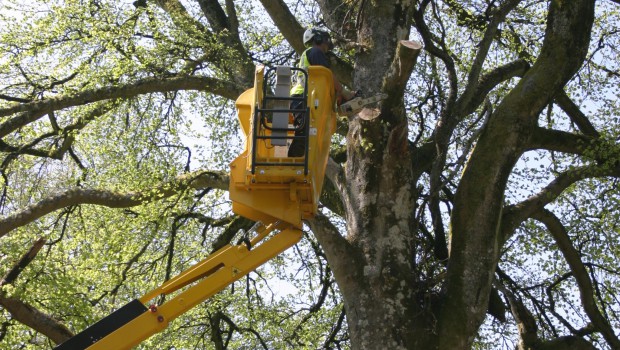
298 88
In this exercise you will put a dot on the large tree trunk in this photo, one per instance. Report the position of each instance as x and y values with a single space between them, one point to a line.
380 227
378 283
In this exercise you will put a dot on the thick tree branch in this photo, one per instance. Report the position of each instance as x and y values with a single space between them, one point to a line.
586 290
560 141
286 22
528 330
67 134
490 80
335 174
575 114
196 180
516 214
475 222
14 99
398 75
332 196
337 183
605 152
339 16
29 148
330 199
565 343
341 69
32 111
215 14
422 158
526 324
27 314
218 19
227 30
331 338
340 254
182 18
483 50
238 223
37 320
14 272
233 20
440 245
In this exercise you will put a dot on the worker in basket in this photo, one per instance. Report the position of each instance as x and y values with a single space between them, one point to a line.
318 43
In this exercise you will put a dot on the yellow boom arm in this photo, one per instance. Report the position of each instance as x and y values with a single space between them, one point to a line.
134 322
266 185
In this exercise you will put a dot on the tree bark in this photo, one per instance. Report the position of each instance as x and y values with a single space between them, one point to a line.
475 221
32 111
197 180
378 194
25 313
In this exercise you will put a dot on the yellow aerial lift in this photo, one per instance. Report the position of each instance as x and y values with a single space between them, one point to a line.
266 185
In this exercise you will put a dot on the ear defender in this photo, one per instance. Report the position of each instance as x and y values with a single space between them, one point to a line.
318 37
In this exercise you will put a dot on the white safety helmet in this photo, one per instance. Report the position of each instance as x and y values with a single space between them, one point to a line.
317 36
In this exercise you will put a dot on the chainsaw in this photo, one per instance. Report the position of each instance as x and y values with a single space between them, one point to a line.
354 105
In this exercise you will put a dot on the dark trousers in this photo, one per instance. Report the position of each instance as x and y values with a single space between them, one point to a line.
298 146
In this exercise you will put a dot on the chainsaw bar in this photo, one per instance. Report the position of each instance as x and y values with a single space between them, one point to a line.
355 105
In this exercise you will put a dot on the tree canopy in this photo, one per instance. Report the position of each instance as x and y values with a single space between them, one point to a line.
477 206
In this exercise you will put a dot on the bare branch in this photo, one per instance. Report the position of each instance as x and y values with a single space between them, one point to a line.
447 121
34 110
234 326
586 290
440 52
196 180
